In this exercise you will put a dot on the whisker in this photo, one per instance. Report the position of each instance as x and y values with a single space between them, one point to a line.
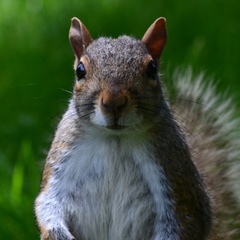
201 104
65 90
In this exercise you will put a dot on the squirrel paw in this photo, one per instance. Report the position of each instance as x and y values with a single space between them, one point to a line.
57 234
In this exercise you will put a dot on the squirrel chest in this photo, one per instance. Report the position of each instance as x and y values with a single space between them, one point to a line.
112 189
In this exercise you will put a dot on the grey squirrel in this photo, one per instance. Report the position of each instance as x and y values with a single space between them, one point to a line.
126 164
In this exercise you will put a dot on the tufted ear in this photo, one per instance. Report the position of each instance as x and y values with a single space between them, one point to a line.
155 38
79 37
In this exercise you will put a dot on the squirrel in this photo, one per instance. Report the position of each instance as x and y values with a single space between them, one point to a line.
125 163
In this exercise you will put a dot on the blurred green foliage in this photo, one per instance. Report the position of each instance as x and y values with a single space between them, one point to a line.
36 74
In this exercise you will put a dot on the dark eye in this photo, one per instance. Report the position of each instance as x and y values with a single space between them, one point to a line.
151 69
81 72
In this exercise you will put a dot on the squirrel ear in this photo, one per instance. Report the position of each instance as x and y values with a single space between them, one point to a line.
79 37
155 38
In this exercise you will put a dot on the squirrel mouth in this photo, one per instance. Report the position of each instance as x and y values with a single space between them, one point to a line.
116 127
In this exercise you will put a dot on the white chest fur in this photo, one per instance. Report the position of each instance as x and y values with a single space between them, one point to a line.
113 189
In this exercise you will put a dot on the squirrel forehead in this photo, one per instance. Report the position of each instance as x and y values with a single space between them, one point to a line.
123 50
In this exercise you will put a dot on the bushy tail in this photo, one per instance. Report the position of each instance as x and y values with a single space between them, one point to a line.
213 130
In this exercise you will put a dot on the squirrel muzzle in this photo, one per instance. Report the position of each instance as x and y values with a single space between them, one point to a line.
114 105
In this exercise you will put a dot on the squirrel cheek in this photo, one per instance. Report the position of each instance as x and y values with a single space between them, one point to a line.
78 86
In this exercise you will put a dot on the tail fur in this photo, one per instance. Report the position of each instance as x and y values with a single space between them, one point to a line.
213 131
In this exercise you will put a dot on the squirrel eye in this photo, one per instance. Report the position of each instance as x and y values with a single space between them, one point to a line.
151 69
81 72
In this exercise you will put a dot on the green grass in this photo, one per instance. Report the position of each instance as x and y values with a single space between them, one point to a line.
36 67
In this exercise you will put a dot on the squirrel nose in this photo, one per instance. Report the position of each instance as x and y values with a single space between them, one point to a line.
113 103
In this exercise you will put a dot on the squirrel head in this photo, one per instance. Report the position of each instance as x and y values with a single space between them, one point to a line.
117 85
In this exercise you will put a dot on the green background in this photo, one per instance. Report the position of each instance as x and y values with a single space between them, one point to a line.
36 75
